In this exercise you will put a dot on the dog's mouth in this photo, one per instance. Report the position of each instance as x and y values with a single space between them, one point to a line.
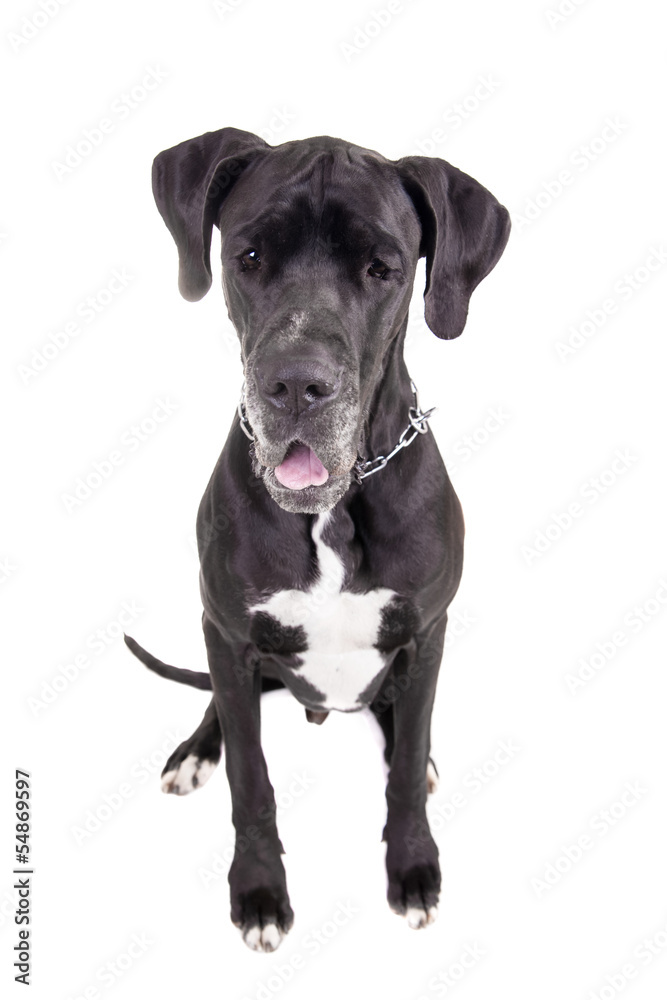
300 468
301 483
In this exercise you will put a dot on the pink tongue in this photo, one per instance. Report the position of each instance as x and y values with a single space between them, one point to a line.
301 468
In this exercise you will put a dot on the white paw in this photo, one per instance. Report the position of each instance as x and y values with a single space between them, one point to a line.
265 938
417 917
432 780
191 773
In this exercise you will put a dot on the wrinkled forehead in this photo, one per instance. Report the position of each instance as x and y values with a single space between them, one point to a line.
342 197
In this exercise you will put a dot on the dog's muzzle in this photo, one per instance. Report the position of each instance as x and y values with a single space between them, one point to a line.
302 471
307 465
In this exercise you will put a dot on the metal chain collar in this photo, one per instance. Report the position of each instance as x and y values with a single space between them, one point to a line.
418 425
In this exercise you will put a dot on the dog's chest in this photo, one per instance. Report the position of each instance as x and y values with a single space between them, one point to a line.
337 634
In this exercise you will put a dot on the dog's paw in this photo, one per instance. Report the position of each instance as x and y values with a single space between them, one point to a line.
187 775
264 919
413 872
265 938
432 778
417 916
414 894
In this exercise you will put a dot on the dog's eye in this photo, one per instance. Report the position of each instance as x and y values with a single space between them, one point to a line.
378 269
250 260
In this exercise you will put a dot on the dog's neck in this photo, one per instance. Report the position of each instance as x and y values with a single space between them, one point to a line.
388 411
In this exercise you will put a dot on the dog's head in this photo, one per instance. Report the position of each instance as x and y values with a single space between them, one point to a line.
320 241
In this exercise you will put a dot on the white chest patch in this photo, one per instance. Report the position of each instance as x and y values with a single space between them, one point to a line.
341 629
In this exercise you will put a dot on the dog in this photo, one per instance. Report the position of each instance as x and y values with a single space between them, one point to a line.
330 537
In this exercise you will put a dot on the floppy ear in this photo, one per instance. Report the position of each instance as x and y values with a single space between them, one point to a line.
464 232
189 183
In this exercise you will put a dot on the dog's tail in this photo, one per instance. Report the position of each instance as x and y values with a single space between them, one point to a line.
192 677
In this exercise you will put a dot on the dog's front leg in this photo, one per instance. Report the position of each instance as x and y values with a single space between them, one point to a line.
260 904
412 855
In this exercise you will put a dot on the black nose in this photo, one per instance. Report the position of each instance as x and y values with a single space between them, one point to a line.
297 384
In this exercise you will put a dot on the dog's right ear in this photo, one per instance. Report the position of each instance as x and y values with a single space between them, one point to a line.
190 182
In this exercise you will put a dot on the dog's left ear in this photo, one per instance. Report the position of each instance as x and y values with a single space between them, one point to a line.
464 232
190 182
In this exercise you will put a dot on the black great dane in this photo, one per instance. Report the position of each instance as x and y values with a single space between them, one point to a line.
329 550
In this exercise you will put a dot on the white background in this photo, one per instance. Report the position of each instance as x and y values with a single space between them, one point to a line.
282 69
